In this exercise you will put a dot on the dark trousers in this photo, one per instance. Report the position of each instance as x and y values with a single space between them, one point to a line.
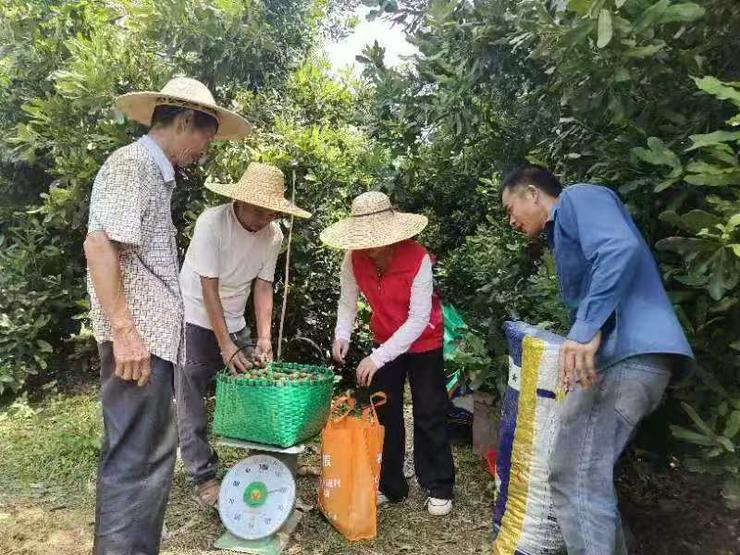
192 382
137 459
435 469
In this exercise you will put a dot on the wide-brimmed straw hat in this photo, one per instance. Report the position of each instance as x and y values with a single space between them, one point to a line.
261 185
373 223
186 93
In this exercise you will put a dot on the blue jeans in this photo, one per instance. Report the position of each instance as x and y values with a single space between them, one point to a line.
595 426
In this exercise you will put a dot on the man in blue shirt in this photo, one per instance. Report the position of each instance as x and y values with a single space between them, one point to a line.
623 345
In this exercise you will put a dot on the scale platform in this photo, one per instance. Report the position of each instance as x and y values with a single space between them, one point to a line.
258 502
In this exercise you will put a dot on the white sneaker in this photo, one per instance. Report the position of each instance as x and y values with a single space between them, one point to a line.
381 499
439 507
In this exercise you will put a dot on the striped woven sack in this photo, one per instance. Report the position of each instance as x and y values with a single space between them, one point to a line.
523 517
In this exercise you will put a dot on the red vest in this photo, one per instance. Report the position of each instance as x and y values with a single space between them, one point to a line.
389 295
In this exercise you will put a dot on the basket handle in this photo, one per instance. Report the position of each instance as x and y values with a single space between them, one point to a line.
370 413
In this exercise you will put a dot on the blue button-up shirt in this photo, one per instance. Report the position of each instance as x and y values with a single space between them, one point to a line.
609 279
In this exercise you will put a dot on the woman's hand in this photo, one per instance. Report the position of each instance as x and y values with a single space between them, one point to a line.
366 371
339 350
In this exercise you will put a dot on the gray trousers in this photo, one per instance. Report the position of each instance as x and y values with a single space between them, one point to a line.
137 459
192 383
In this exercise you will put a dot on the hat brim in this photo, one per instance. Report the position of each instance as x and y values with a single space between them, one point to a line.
139 106
257 198
376 230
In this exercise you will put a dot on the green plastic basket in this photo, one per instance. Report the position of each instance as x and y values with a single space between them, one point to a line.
282 404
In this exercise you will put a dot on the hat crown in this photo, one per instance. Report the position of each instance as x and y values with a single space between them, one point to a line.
265 177
192 89
370 203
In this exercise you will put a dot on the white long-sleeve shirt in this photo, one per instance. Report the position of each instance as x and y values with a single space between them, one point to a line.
420 310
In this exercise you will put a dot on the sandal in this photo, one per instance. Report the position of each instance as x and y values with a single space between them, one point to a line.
206 494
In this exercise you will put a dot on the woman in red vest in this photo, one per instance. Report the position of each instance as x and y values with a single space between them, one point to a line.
394 274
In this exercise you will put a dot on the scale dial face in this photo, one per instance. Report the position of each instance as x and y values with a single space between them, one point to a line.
257 497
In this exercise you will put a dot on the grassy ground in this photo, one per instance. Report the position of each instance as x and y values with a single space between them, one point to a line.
47 487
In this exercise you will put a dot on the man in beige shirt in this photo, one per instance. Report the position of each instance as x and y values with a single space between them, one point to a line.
137 309
232 254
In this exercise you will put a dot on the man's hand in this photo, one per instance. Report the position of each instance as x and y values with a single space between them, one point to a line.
577 363
366 371
339 350
133 360
263 353
234 358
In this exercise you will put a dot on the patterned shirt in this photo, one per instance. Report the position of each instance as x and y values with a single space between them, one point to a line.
130 202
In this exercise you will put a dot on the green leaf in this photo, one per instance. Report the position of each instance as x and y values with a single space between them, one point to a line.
605 29
692 437
640 52
581 7
697 420
622 75
685 245
685 13
44 346
651 16
709 180
719 89
711 169
710 139
735 248
732 426
724 274
657 154
663 185
619 3
693 221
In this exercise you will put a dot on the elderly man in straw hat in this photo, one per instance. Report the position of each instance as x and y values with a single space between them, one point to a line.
234 245
137 308
394 274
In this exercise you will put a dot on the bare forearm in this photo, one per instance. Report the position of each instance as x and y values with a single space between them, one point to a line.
263 303
103 262
215 310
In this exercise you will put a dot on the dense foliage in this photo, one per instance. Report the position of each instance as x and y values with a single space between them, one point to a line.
62 64
640 95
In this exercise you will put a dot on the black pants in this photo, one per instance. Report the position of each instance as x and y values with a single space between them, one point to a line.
192 383
435 469
137 459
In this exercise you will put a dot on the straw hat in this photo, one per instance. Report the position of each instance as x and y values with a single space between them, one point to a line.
373 223
186 93
261 185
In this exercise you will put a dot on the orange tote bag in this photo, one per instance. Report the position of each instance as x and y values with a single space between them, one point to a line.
351 452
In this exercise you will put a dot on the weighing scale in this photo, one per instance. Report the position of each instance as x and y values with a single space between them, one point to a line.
257 500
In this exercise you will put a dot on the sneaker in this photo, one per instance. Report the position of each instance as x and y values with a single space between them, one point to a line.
381 499
438 507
